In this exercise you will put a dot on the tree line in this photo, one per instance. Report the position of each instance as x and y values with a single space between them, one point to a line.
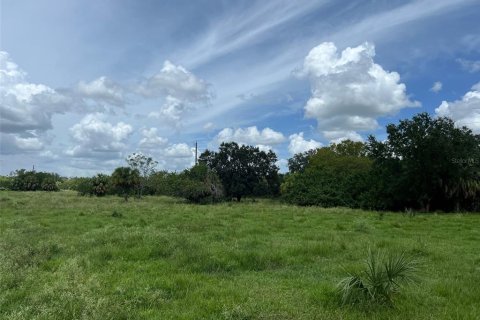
424 164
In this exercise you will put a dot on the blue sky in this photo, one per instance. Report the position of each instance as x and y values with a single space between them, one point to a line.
85 83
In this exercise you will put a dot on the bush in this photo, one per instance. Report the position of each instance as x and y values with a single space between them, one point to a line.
83 186
330 179
5 183
199 185
380 281
49 184
100 184
194 191
163 183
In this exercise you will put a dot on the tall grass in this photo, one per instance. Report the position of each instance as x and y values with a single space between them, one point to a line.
69 257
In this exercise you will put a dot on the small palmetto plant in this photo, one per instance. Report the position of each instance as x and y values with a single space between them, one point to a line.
382 278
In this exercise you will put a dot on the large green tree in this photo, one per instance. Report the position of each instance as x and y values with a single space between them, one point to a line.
243 170
428 164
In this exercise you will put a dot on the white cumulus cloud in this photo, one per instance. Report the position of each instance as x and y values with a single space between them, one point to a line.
24 105
173 109
176 81
181 89
102 90
349 90
95 137
27 107
298 144
179 150
465 112
251 136
151 139
337 136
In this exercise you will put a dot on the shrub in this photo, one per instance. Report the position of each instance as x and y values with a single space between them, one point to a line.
380 281
5 183
194 191
49 184
100 184
84 186
199 185
163 183
330 179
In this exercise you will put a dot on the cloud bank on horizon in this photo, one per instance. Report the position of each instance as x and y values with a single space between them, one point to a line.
283 77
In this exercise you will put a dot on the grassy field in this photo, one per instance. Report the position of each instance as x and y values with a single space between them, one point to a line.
69 257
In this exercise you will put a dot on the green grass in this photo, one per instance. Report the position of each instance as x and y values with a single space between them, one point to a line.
69 257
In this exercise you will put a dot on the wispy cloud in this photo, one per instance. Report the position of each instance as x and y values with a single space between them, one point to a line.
237 30
471 66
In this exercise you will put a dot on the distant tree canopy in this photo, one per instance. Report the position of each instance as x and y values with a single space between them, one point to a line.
337 175
426 163
243 170
299 161
24 180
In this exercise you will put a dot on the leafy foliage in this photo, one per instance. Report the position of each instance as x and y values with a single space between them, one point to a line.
163 183
23 180
334 176
84 186
125 180
299 161
98 185
6 183
242 169
426 164
382 278
200 185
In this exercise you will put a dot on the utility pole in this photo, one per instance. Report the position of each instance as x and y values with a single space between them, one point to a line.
196 153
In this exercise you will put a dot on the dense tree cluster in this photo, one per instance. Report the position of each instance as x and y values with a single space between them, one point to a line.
23 180
424 164
243 170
